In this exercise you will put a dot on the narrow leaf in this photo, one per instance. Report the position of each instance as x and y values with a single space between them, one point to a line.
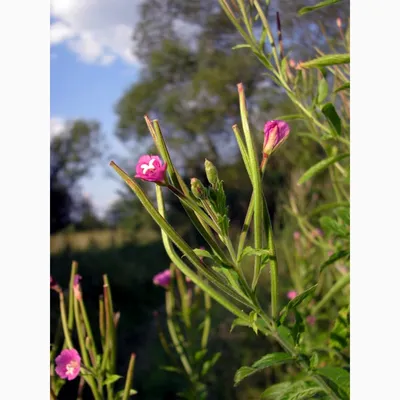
319 167
111 379
327 60
268 360
241 46
323 90
334 257
332 116
306 10
343 87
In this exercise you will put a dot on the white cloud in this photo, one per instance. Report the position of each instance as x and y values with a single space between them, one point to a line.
98 31
57 126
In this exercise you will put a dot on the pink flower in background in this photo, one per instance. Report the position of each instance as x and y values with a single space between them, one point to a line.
311 320
76 287
187 279
317 233
275 133
150 168
163 278
68 364
296 235
291 294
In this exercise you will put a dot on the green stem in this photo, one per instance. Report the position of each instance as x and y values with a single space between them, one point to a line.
272 261
169 305
89 331
74 270
256 178
340 284
64 322
81 338
129 377
207 321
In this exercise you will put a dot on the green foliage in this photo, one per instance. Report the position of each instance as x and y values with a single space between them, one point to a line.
268 360
317 6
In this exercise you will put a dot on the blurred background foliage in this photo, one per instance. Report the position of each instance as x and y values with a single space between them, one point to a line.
188 82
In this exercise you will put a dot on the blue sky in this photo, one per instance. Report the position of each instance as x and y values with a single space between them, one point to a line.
91 66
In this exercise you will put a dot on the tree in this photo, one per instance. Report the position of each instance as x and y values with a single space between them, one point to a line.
72 155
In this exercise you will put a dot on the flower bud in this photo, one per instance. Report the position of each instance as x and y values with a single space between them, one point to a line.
198 190
275 133
338 22
211 172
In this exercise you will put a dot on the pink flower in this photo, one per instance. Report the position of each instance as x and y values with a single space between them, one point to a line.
68 364
296 235
291 294
54 285
76 287
163 278
275 133
151 168
311 320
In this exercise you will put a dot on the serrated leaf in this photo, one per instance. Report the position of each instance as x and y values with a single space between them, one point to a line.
332 116
327 60
321 166
333 258
268 360
343 87
323 90
250 251
308 9
111 379
338 376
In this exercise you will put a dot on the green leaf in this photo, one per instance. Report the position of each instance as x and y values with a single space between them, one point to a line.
330 225
343 87
296 302
323 90
332 116
314 360
325 3
285 334
250 251
339 377
340 334
291 117
319 167
276 391
241 46
239 322
305 394
268 360
111 379
200 354
170 368
210 363
327 60
301 297
334 257
120 394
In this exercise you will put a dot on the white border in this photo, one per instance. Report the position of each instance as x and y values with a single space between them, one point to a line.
25 200
375 201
